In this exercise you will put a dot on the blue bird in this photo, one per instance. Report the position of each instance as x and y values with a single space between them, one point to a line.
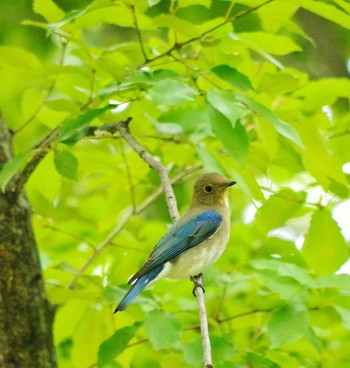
195 241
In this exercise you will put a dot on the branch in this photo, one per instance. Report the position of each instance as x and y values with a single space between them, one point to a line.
138 32
123 128
198 291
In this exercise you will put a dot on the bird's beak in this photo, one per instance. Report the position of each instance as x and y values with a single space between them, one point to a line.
230 183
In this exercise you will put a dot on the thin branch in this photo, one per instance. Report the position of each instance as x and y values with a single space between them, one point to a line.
244 314
199 293
228 19
129 177
123 128
138 32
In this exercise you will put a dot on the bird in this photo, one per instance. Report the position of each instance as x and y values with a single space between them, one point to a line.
194 242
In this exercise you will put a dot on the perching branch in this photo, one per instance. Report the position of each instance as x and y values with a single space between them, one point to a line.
123 128
199 293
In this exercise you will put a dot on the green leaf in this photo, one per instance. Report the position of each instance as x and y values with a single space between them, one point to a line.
71 125
227 104
49 10
222 349
209 162
153 2
281 126
285 269
273 44
12 167
233 77
119 15
163 329
319 93
191 118
279 208
18 59
339 281
172 22
286 287
66 164
234 139
259 361
287 324
172 92
324 249
344 313
326 11
116 344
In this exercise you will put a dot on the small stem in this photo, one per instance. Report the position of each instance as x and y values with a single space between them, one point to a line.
123 128
198 291
138 32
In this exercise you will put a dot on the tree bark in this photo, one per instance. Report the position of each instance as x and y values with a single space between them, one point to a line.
25 316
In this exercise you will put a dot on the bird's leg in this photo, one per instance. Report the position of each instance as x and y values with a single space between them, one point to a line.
198 282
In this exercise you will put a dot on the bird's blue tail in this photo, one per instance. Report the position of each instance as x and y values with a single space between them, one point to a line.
138 286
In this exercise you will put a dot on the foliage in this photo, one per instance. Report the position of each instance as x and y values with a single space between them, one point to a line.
204 81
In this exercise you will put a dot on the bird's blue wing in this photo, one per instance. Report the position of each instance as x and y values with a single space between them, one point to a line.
180 238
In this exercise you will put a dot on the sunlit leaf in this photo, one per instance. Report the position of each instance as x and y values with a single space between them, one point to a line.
163 329
344 314
277 45
70 126
17 58
232 76
172 92
222 349
281 126
324 249
278 209
234 139
227 104
116 344
326 11
287 324
66 164
48 9
259 361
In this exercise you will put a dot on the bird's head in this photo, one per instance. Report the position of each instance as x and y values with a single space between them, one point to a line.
210 190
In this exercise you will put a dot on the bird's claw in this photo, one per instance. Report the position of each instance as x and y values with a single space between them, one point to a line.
198 282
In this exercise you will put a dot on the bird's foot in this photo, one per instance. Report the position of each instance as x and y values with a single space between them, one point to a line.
198 282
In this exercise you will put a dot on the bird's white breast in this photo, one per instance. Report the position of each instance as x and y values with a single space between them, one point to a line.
198 258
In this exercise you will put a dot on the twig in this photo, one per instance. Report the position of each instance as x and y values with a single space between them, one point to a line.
123 128
198 291
138 32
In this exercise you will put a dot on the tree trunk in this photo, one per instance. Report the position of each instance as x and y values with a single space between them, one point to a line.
25 316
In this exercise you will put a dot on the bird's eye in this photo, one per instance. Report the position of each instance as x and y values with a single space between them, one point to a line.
208 188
